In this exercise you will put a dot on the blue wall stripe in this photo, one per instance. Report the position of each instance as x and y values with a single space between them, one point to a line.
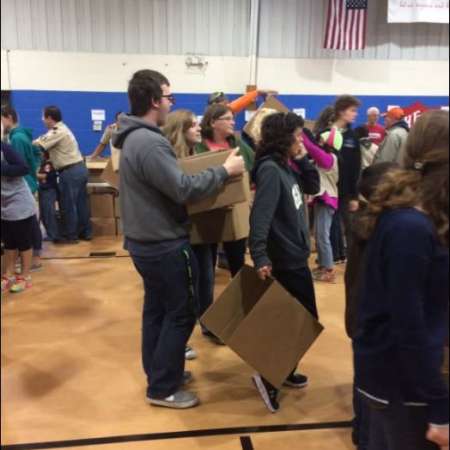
76 108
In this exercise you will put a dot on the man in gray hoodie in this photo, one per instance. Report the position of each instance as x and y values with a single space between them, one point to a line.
154 192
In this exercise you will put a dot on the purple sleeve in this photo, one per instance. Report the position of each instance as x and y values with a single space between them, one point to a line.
323 159
13 165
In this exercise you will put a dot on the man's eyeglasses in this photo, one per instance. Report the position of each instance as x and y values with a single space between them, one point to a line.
171 98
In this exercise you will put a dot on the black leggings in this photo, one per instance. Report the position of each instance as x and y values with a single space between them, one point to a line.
299 283
36 235
18 234
235 253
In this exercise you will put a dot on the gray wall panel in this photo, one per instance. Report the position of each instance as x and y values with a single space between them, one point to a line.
289 28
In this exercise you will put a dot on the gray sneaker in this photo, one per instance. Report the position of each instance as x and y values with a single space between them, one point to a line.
180 400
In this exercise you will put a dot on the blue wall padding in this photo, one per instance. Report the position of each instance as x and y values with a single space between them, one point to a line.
77 106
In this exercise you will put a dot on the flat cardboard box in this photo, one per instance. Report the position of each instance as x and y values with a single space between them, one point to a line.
110 176
102 205
102 227
253 126
235 191
221 225
260 321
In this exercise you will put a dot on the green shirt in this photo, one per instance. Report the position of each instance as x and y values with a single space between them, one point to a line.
244 150
21 141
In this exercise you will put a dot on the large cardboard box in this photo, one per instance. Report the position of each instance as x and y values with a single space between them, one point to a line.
263 324
111 176
221 225
271 106
235 191
102 205
102 227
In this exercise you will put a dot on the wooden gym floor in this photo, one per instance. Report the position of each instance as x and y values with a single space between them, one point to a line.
71 372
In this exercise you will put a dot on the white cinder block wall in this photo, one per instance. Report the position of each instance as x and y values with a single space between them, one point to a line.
98 72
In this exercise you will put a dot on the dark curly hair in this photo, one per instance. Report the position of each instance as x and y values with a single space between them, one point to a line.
277 135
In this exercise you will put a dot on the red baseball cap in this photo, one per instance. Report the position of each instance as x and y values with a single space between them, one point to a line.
395 114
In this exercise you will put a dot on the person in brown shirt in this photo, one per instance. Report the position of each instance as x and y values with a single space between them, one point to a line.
65 155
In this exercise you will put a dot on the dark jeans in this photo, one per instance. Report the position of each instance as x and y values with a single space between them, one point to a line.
169 317
47 200
74 202
398 427
36 235
235 253
299 283
337 237
206 278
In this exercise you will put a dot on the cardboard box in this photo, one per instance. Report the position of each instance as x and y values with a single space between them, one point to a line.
110 176
102 227
263 324
102 205
95 170
271 106
235 190
221 225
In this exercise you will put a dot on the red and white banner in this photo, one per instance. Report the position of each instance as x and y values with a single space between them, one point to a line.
414 111
410 11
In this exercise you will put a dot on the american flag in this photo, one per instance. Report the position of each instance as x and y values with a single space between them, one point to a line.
346 25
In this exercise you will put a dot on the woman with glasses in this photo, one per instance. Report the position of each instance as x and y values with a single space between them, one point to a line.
218 134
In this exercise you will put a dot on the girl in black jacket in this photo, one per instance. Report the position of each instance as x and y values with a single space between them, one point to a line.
279 237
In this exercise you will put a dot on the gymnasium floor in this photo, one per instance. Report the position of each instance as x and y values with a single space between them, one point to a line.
71 372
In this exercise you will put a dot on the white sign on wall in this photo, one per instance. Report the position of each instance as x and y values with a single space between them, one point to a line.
98 114
300 112
410 11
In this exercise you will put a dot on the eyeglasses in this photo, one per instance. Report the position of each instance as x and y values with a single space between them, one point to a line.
171 98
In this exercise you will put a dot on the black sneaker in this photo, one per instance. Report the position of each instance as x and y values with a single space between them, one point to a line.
268 393
296 381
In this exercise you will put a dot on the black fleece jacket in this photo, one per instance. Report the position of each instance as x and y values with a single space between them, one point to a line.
349 166
279 235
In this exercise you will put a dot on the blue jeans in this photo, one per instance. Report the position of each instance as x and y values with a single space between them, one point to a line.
323 220
47 200
74 202
206 278
169 316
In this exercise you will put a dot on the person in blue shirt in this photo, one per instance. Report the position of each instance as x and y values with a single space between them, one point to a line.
403 302
48 197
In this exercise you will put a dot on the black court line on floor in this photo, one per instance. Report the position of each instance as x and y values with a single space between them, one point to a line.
179 435
106 255
246 442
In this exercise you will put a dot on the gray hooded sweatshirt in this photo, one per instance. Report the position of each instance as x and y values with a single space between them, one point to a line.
153 189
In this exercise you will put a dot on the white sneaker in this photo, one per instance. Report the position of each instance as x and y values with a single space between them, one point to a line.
190 354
